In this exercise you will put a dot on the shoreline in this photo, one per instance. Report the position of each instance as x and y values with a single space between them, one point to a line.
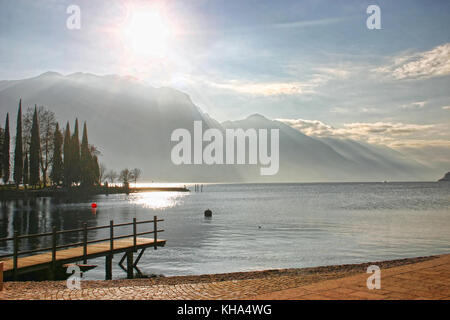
75 192
297 276
419 278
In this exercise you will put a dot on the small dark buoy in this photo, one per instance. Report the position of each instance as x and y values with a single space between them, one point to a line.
208 213
259 227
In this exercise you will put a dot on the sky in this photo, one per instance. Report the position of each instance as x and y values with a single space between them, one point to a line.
312 64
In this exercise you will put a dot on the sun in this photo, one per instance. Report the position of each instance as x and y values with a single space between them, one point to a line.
148 33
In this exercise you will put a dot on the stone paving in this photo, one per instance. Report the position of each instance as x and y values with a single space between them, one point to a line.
429 280
233 289
424 280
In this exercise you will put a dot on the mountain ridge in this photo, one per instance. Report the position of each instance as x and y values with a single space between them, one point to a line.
132 122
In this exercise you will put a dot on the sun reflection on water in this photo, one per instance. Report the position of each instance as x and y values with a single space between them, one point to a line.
157 200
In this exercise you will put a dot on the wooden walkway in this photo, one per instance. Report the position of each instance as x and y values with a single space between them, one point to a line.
56 258
43 261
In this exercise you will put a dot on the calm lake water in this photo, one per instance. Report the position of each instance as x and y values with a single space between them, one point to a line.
256 226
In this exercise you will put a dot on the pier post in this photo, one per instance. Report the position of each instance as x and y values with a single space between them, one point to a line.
108 267
16 253
53 266
155 232
85 242
129 264
134 234
109 257
1 275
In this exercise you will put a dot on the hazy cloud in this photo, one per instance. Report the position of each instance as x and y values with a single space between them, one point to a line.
267 89
310 127
335 72
318 128
414 105
432 63
322 76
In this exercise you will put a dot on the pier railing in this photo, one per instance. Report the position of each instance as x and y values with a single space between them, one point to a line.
84 230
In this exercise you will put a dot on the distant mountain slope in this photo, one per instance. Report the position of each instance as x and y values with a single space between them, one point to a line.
303 158
378 161
132 123
446 177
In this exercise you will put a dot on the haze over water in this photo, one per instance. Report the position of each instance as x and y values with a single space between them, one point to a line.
256 226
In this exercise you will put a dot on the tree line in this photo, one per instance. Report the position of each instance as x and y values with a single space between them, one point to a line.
41 146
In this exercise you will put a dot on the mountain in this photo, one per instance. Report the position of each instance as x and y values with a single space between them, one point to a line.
304 158
446 177
132 123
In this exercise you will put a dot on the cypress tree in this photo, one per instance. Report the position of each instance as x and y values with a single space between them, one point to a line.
26 170
67 150
1 151
86 160
18 152
76 164
5 154
35 150
57 163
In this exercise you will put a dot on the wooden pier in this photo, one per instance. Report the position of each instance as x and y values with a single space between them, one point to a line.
59 256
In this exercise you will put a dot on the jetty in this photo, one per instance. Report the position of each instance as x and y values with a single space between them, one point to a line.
50 260
79 192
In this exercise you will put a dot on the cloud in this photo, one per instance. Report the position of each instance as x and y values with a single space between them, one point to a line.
272 88
387 133
322 76
268 89
362 110
384 128
310 127
414 105
432 63
267 26
340 73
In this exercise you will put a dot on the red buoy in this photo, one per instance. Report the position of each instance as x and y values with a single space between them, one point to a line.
94 205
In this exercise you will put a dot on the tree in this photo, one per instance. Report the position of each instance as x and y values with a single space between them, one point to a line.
75 154
102 173
26 170
1 151
86 161
35 150
135 175
125 177
47 123
96 170
67 150
18 152
111 176
57 173
5 153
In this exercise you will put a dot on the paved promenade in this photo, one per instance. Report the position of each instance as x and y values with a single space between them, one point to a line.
423 280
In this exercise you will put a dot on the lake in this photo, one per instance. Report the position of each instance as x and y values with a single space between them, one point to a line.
255 226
